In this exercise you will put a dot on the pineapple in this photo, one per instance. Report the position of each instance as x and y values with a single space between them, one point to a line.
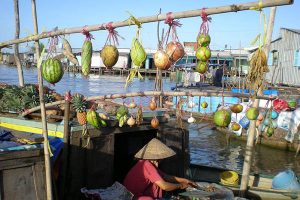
79 104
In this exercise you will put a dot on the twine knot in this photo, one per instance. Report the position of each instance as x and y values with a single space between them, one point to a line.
87 34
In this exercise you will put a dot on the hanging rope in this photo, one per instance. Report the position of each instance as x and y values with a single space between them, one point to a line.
172 26
88 35
113 35
204 28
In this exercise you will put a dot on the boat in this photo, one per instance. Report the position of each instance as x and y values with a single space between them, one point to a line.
260 186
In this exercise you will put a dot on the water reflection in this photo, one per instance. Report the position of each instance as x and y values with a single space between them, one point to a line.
207 147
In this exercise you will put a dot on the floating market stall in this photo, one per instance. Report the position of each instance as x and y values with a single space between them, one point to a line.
166 55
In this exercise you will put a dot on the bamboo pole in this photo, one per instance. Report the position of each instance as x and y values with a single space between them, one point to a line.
153 18
43 109
65 155
16 46
152 93
252 127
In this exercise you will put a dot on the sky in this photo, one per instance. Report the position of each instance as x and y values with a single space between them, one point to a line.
231 29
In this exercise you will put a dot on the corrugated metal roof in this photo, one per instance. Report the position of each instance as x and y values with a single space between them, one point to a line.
293 30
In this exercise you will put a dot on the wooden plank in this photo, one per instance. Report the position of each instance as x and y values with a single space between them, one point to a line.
39 180
10 155
18 184
29 136
22 162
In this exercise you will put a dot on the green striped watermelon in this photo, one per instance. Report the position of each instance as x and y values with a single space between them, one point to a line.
86 57
52 70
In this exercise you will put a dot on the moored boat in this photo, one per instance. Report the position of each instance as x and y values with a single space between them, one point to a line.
259 186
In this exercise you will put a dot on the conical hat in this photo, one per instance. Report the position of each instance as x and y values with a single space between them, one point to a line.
154 150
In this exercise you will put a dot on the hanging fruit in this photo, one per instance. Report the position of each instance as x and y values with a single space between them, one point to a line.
93 118
270 131
80 104
191 119
202 67
139 115
191 104
161 60
236 108
152 104
203 40
131 121
235 126
67 52
52 70
103 116
132 104
109 55
86 57
203 54
154 122
222 118
175 51
137 53
252 113
204 104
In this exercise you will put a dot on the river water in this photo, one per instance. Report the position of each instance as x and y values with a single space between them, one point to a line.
207 147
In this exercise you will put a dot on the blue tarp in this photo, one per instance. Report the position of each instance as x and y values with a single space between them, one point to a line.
6 144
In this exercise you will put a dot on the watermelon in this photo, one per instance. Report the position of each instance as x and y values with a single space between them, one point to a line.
86 57
52 70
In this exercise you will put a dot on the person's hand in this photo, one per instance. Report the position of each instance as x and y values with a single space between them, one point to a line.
189 182
183 185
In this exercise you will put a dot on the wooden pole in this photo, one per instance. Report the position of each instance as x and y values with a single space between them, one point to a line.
16 46
43 109
153 18
153 93
252 127
65 155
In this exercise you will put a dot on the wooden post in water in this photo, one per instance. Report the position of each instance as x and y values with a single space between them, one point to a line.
43 109
252 127
16 46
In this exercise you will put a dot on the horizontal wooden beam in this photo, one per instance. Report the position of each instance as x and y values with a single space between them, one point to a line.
153 18
154 93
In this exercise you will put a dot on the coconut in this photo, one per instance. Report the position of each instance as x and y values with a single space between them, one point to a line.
175 51
161 60
203 40
236 108
109 55
202 67
203 54
252 113
222 118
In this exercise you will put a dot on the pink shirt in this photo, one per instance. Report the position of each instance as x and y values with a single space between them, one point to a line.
141 178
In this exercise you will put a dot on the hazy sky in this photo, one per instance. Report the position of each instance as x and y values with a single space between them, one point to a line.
230 28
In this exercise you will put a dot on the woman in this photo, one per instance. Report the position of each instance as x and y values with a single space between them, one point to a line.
145 181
